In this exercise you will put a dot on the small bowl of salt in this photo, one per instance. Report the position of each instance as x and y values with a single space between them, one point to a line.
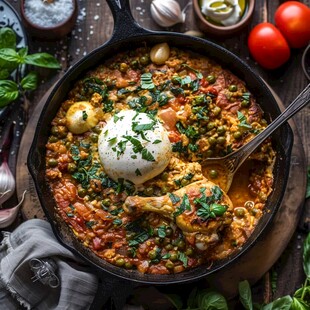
49 19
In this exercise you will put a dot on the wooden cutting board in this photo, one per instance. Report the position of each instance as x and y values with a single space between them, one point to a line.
254 263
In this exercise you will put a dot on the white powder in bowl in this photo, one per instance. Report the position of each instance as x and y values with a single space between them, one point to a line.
48 14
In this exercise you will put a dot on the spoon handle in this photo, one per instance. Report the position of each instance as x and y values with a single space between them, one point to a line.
297 104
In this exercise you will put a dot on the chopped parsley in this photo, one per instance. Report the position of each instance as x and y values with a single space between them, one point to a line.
138 172
174 198
161 231
185 205
243 121
183 258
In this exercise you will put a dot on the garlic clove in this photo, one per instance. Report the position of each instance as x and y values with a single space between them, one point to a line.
7 183
8 216
167 13
160 53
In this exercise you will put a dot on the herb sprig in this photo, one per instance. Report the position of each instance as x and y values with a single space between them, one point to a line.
12 59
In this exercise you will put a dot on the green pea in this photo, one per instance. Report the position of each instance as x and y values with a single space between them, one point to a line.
165 176
135 64
71 167
262 196
94 137
158 241
123 67
169 231
184 182
210 125
181 244
120 262
202 130
55 130
212 140
128 265
254 211
233 88
82 192
209 153
52 162
144 60
175 79
164 189
221 130
237 135
189 251
169 264
245 103
149 191
152 254
239 212
168 247
52 139
213 174
217 110
221 140
174 256
106 202
199 99
211 79
96 129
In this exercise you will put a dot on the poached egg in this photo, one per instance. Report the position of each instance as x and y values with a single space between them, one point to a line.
134 146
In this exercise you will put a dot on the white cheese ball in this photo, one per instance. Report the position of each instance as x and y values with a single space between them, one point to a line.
81 117
134 146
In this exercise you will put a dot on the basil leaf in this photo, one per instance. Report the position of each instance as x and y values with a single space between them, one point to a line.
23 52
299 304
42 60
218 209
175 300
306 256
8 92
212 300
283 303
7 38
8 54
245 295
30 81
183 258
192 298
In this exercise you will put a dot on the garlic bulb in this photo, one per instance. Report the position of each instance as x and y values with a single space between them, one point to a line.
167 13
7 182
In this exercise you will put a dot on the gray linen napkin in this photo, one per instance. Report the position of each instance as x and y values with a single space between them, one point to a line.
35 239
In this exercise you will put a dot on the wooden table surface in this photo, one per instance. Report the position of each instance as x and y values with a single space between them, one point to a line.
94 27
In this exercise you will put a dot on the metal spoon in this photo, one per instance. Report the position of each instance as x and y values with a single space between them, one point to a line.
227 166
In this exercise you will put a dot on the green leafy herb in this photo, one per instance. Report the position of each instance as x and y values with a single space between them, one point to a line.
138 172
117 222
12 59
137 127
161 231
185 205
156 142
243 121
197 72
146 81
140 238
84 115
174 199
183 258
147 155
245 295
89 224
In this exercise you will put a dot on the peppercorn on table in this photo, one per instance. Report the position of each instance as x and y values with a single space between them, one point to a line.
90 33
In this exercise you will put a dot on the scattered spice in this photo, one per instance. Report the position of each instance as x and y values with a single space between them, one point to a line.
48 13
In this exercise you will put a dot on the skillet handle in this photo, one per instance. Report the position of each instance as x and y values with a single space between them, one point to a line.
124 24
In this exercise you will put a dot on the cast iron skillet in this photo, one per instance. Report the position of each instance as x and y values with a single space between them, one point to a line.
126 35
